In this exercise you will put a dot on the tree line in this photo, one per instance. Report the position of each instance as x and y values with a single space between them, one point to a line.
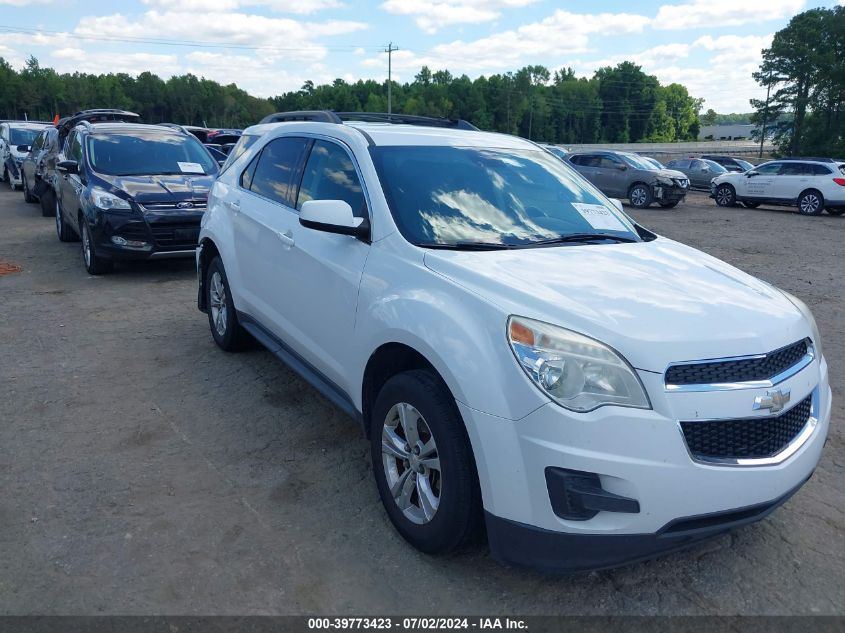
804 72
617 105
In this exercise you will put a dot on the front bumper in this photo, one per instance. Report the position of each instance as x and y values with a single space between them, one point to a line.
147 236
667 193
637 455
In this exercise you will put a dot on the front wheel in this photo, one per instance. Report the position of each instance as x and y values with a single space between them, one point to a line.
94 264
640 196
423 463
725 196
811 203
222 318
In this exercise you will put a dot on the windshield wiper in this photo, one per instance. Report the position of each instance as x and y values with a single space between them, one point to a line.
582 238
466 246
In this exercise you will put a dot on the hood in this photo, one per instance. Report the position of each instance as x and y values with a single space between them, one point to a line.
161 189
655 302
672 173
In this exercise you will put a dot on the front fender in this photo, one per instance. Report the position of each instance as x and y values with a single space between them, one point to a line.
461 334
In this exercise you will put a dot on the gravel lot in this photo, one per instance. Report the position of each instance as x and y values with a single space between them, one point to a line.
146 472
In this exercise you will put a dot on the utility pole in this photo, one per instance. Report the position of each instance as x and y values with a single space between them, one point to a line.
389 50
765 114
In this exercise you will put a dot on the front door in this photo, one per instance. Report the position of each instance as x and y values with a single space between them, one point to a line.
759 182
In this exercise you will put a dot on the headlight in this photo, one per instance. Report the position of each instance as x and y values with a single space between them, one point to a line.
814 328
107 201
664 181
577 372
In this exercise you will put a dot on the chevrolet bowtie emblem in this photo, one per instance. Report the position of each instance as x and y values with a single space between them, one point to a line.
774 401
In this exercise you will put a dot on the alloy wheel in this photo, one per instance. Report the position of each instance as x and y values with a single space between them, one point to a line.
638 196
411 463
724 197
86 246
217 303
810 204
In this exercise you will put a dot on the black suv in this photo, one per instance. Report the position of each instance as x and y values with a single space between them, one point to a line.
730 163
44 187
132 191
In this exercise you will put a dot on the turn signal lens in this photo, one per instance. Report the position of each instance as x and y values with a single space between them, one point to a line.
521 334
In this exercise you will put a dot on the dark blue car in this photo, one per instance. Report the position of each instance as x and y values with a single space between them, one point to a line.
132 191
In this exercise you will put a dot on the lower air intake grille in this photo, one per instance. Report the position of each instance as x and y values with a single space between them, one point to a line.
749 438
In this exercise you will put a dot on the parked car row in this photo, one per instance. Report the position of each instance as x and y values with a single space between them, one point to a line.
524 358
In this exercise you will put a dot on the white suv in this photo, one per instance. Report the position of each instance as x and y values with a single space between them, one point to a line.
522 355
811 185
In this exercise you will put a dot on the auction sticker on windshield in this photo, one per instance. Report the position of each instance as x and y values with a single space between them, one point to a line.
191 168
599 216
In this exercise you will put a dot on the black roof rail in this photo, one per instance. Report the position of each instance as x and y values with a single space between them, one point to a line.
328 116
322 116
810 158
406 119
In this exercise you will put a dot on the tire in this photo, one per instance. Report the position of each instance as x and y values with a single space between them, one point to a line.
640 196
27 194
670 205
811 202
94 264
437 508
751 205
63 231
835 210
725 196
3 175
48 203
222 317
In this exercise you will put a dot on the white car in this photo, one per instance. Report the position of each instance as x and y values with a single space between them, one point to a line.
16 138
523 356
811 185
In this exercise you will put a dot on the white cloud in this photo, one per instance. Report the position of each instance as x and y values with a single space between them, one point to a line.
720 13
74 59
562 33
216 6
432 16
24 3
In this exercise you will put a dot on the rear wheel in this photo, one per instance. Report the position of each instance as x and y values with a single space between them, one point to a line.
94 264
423 464
811 203
640 196
725 196
222 318
835 210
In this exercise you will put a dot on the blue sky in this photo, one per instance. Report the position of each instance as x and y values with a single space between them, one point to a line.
270 46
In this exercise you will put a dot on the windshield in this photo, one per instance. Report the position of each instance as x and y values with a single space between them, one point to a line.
744 164
715 167
469 195
148 154
637 162
19 136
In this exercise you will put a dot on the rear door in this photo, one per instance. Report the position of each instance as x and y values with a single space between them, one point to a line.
70 185
262 211
792 179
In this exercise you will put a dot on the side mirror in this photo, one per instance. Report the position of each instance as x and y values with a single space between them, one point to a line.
333 216
23 149
751 172
68 167
618 204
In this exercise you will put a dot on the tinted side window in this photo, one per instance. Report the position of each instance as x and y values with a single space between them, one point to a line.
769 169
330 175
249 172
609 162
820 170
795 169
243 144
679 164
274 177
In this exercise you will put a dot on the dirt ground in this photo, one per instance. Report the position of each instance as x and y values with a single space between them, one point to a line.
144 471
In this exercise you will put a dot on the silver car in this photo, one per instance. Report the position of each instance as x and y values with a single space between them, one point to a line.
700 171
626 175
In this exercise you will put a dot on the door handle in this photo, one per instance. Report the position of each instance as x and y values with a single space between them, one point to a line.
286 238
235 205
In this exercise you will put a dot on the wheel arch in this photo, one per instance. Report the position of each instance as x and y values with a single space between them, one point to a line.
207 251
